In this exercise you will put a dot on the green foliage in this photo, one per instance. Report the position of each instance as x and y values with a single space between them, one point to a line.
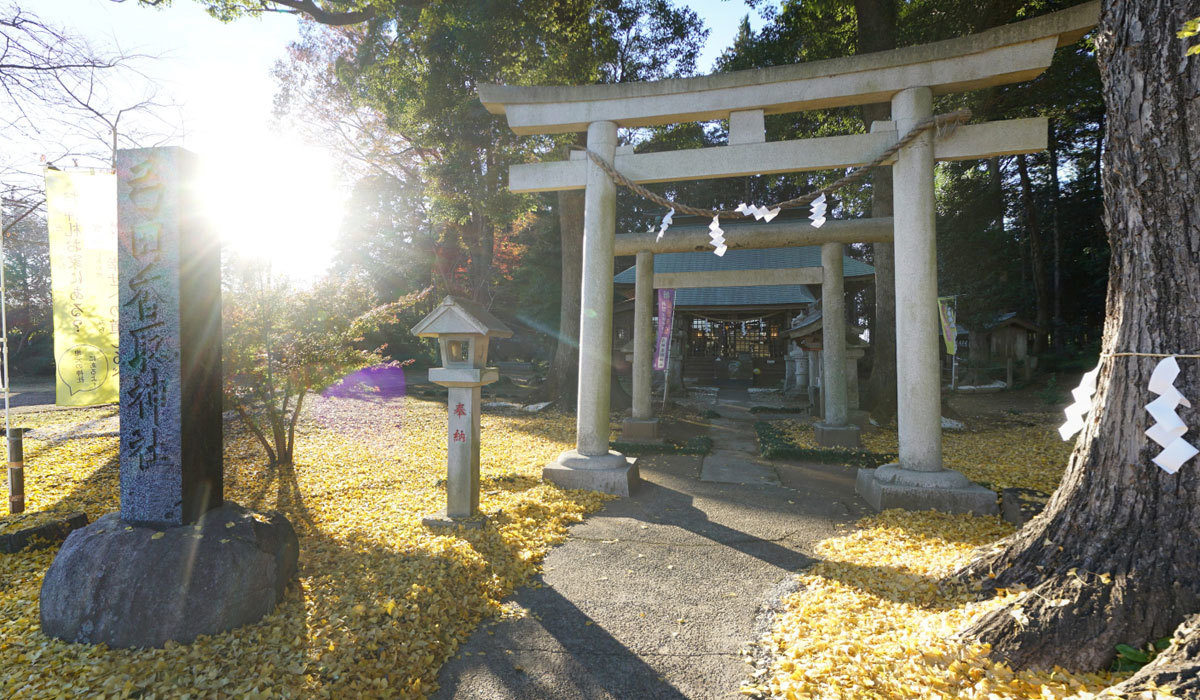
1052 393
27 287
282 343
773 444
698 445
1131 658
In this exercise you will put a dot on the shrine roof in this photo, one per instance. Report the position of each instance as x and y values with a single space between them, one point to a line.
746 259
769 295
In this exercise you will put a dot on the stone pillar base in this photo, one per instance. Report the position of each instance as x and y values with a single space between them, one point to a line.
639 430
128 585
860 418
892 486
440 519
611 473
837 435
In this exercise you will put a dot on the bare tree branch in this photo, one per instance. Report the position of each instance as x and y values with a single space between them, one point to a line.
63 99
10 225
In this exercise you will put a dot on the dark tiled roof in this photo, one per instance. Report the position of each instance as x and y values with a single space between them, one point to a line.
768 295
746 259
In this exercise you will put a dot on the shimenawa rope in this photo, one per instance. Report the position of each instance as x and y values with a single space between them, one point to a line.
944 123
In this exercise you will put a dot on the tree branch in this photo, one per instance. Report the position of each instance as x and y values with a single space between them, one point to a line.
320 14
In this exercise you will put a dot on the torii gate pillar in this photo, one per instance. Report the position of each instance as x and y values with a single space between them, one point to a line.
835 430
642 426
918 481
591 465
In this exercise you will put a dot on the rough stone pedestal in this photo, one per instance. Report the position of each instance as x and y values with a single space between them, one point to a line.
128 585
639 430
860 418
892 486
837 435
611 473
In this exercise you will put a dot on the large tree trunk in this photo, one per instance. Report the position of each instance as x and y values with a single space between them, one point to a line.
1056 323
882 384
481 241
1037 256
877 32
1115 557
561 384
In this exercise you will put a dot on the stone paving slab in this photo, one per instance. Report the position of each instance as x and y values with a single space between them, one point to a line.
655 595
736 467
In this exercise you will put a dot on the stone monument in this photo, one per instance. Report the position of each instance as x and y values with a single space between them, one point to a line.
176 561
170 342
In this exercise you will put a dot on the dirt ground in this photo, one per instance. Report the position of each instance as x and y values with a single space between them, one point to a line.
1047 393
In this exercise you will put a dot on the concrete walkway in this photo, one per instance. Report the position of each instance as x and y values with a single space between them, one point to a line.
654 596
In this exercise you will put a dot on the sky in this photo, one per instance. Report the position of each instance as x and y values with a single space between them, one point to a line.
219 75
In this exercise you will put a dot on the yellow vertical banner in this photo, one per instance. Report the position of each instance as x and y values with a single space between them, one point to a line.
948 312
82 216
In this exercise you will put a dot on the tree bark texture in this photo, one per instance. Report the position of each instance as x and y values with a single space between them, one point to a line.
1056 236
1037 256
882 383
564 368
996 206
877 32
1115 557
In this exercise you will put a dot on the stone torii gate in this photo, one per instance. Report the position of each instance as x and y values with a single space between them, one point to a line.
909 78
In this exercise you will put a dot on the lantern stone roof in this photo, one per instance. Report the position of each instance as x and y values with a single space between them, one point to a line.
458 315
810 324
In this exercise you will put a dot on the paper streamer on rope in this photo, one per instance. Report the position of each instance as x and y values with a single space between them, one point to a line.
1083 404
666 224
1168 428
717 236
818 211
759 213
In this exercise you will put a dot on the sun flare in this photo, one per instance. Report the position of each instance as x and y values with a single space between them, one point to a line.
275 199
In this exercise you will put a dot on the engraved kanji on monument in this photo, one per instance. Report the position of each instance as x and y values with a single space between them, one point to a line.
169 268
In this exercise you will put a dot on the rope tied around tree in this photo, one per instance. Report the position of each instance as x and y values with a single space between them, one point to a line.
944 123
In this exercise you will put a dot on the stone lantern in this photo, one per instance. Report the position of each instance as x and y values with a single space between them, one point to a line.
463 329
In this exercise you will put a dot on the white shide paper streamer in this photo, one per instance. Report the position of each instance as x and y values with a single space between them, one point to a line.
717 236
1168 428
666 224
1083 404
759 213
818 211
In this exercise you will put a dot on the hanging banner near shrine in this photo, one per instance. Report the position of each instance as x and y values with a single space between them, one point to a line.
947 312
81 208
666 320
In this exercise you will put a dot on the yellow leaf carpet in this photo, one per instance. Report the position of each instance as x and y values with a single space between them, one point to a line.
381 600
869 620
